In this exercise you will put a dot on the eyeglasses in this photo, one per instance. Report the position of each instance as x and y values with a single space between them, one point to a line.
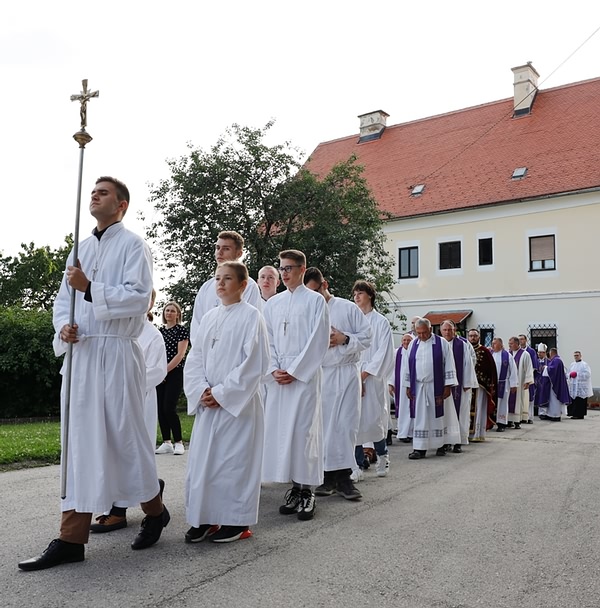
288 269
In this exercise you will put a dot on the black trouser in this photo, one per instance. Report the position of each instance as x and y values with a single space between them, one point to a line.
167 394
578 407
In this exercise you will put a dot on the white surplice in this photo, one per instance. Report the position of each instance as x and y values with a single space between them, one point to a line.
206 299
341 387
524 374
298 328
469 383
430 433
581 385
225 453
110 458
378 361
511 382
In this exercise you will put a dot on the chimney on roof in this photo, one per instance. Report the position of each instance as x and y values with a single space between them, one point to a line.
372 125
525 83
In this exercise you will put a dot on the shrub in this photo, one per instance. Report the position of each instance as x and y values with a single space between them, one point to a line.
29 372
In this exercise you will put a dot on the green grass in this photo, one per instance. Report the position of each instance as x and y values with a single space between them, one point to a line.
38 443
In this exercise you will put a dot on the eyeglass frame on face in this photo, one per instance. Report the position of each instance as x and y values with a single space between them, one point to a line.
287 269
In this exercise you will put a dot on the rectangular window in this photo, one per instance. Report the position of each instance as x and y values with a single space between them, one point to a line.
450 255
546 334
486 335
486 255
542 253
408 263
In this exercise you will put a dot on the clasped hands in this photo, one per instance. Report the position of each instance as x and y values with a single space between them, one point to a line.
207 399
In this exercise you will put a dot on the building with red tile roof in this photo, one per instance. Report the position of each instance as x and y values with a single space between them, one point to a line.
495 210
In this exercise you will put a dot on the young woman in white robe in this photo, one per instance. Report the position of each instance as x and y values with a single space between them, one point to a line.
222 383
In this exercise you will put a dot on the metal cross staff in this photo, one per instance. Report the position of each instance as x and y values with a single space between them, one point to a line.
82 137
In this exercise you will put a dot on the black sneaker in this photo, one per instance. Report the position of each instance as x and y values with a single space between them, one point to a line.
327 488
308 504
292 502
150 530
227 534
347 490
196 535
57 552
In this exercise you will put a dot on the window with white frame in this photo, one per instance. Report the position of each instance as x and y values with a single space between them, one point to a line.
542 253
450 255
408 263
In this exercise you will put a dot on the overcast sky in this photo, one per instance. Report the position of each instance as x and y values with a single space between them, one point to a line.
176 72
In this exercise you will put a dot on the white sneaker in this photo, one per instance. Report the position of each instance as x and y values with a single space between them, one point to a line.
179 449
165 448
357 475
383 465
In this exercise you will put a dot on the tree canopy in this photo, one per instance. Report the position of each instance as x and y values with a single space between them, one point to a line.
265 194
30 280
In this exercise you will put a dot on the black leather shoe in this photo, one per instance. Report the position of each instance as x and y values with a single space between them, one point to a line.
151 529
416 455
440 452
57 552
457 449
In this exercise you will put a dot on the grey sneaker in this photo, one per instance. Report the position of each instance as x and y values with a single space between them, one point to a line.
292 502
308 505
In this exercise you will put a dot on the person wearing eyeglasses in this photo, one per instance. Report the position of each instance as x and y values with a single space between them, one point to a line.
298 327
580 387
228 248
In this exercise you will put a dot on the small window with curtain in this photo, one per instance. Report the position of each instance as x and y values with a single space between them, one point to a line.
542 254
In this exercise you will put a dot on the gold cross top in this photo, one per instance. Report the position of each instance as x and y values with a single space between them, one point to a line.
83 98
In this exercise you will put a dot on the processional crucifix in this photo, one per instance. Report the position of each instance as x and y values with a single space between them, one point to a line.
82 137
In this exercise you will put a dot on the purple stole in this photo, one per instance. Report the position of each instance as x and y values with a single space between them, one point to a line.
458 350
512 398
438 375
502 376
535 364
398 381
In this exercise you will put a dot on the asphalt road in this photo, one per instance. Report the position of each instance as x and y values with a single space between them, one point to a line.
512 522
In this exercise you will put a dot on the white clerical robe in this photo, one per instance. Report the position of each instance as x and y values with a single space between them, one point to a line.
430 433
378 361
206 299
225 455
524 374
581 385
511 382
110 458
155 356
469 382
404 421
298 328
341 387
152 344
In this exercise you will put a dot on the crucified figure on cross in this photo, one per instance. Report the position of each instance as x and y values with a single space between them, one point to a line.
83 98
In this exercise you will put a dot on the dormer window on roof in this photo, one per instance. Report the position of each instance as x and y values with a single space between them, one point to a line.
519 173
418 189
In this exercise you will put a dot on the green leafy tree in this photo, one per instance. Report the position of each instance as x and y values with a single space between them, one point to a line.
264 193
31 279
